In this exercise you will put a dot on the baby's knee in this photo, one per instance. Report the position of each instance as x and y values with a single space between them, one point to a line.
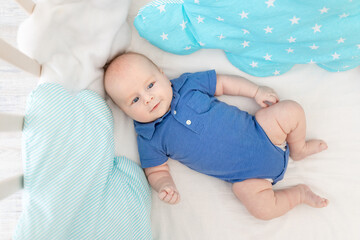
292 108
290 104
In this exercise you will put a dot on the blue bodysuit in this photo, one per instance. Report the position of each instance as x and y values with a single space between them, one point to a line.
209 136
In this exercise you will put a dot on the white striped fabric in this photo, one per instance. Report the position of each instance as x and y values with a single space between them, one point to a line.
75 187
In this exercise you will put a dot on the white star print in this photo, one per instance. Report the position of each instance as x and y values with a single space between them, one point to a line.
290 50
324 10
267 57
243 15
197 1
161 8
164 36
220 19
270 3
292 40
277 72
200 19
268 29
317 28
183 25
335 56
314 47
294 20
254 64
245 44
341 40
221 37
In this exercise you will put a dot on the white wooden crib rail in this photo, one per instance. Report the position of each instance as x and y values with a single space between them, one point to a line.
10 122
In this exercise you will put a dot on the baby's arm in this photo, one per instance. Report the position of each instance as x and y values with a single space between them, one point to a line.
161 181
234 85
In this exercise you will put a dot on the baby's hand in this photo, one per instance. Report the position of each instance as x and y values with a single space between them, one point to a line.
264 95
169 194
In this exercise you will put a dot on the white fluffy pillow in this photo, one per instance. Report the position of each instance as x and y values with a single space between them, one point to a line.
73 39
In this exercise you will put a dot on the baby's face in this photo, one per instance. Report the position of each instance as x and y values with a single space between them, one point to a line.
141 90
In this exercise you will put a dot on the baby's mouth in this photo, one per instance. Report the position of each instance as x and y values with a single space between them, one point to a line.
155 107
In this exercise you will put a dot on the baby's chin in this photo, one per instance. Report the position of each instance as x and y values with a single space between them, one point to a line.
158 113
147 119
152 118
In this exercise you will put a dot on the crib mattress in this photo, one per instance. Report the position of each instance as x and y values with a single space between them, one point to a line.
208 209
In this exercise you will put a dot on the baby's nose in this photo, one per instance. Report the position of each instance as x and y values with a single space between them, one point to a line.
148 99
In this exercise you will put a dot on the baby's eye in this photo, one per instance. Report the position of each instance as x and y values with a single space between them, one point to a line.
135 100
150 85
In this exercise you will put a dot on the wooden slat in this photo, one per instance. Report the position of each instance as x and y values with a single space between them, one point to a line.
11 185
10 122
28 5
18 59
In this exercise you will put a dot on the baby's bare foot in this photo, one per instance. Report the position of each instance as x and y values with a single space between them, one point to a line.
311 199
310 147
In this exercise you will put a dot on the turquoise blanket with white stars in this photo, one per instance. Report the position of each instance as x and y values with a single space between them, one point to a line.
260 37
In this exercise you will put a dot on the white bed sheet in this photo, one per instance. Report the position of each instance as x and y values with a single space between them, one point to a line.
209 210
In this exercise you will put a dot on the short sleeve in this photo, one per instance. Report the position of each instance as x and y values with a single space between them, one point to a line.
150 156
203 81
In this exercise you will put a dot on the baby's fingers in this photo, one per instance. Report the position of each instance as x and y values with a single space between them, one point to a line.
169 195
162 195
175 198
276 97
273 99
263 104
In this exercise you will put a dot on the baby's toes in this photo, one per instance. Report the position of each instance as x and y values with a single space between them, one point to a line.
325 202
323 145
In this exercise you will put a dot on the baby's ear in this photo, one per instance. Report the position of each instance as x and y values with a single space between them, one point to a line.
162 72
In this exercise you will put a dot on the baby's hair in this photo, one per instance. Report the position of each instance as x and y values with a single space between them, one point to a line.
106 66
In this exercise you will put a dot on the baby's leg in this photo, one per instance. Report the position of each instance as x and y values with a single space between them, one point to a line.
286 121
262 202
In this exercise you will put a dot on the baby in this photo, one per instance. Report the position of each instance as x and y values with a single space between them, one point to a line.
181 119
